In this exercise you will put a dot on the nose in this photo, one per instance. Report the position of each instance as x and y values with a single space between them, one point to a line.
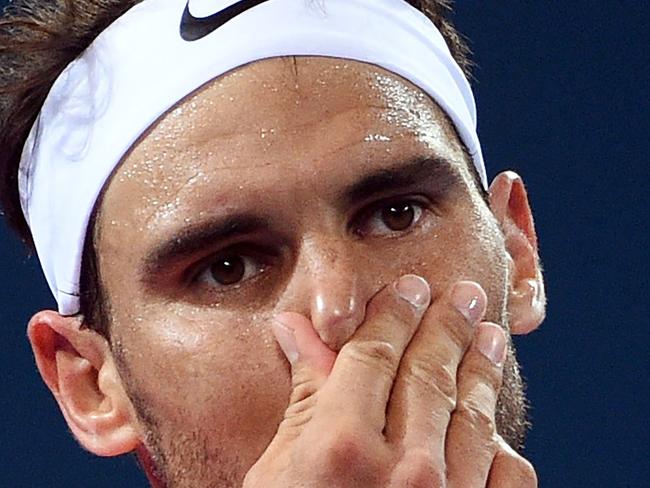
333 291
337 307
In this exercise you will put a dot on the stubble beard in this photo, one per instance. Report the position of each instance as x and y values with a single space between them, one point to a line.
190 459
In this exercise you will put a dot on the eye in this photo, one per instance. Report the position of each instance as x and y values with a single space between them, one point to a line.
393 217
230 270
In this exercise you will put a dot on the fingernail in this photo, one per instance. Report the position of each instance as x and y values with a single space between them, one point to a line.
414 290
492 343
287 340
470 300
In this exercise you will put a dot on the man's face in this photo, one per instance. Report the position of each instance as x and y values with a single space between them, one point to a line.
301 185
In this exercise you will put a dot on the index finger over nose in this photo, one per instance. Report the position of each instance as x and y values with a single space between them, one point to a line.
363 374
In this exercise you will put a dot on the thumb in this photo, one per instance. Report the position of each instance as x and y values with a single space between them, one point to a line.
311 360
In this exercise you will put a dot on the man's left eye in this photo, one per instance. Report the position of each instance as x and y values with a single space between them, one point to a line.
392 218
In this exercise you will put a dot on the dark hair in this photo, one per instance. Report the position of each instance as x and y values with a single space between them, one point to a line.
38 39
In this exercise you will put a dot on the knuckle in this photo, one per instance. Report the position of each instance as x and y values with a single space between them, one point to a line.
342 446
489 375
434 376
300 412
513 466
302 388
348 453
471 415
526 473
456 329
374 353
418 471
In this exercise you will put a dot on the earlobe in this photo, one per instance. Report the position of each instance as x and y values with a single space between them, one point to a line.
527 298
78 367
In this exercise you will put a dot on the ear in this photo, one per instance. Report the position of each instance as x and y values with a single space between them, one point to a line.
527 300
78 367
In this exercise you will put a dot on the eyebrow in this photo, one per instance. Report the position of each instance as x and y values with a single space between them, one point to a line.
194 238
418 171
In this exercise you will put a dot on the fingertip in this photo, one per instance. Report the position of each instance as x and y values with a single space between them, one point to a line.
415 290
491 341
302 342
469 298
287 340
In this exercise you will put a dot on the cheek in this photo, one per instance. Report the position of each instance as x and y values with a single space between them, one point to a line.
465 246
215 376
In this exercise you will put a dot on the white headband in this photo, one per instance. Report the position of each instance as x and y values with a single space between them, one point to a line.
141 66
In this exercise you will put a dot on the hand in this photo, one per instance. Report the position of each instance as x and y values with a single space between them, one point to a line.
408 401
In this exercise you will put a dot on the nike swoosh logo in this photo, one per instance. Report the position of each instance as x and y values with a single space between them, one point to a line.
195 28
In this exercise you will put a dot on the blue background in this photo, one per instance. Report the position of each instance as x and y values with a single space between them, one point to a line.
562 93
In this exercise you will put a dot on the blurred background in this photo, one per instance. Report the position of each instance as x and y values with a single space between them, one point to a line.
562 94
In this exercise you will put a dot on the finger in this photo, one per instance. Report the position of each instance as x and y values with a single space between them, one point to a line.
472 428
511 470
311 362
301 343
362 377
424 394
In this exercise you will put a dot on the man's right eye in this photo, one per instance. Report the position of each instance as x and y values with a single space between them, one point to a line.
230 270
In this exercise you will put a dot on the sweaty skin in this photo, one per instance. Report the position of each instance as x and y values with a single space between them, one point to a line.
273 154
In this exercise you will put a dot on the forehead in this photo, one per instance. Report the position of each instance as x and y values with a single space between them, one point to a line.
277 123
